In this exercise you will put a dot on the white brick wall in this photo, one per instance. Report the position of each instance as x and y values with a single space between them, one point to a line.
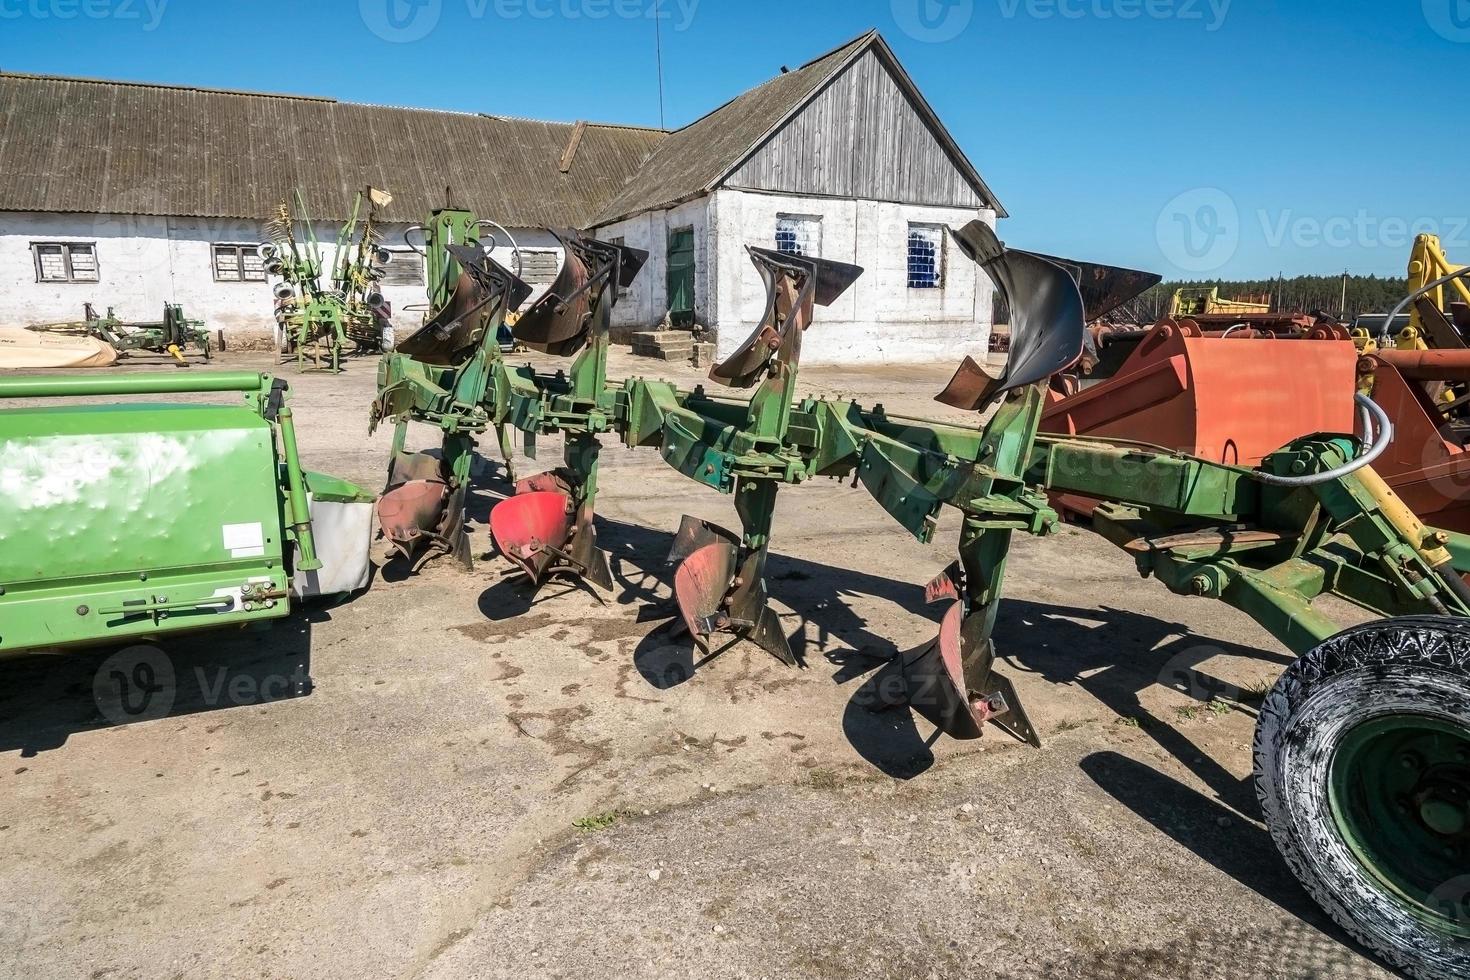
144 262
880 318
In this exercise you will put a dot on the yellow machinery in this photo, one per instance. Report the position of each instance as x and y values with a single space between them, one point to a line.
1433 315
1204 301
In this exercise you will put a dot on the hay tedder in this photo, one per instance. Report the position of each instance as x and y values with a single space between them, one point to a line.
124 523
1363 748
320 310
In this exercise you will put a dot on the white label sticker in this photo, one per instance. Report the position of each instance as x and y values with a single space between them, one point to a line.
244 540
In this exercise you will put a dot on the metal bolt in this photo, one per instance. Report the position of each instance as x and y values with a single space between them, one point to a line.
1199 585
1410 761
142 576
82 610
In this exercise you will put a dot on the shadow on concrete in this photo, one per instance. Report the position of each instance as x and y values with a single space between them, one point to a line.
1229 842
47 698
1115 655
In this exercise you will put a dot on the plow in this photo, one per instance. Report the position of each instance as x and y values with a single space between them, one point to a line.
1362 750
1269 524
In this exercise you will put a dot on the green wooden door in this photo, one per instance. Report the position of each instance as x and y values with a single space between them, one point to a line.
681 277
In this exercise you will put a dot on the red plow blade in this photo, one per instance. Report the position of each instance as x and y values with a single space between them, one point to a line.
532 530
543 532
951 680
719 589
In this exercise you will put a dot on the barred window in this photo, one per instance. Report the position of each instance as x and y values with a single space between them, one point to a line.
926 256
238 263
799 234
540 266
406 268
65 261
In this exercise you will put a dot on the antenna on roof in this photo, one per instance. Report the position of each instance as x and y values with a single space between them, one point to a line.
658 47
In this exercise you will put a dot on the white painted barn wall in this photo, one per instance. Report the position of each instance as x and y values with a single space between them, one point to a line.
880 319
144 262
647 302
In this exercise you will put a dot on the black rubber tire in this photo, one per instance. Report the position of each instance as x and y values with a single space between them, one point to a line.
1419 664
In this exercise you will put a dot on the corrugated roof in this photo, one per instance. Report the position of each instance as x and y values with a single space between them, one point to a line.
98 147
103 147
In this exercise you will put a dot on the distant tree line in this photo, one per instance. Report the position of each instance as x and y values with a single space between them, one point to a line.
1302 294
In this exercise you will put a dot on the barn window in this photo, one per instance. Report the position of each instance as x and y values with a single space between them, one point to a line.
238 263
65 261
540 266
405 268
799 234
926 256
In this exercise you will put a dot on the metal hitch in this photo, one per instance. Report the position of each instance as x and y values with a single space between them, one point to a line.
719 586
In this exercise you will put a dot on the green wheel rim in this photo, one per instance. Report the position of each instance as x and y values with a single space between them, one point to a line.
1399 788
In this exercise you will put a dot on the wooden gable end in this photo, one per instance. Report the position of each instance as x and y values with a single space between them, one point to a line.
860 137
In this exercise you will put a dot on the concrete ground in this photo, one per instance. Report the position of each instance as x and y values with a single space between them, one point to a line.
445 778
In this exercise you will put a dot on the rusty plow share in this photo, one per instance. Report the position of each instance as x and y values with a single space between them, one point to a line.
720 587
951 681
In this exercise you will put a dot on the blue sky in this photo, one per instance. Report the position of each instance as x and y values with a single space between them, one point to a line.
1231 138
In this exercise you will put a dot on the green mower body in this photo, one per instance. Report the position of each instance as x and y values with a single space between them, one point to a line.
124 522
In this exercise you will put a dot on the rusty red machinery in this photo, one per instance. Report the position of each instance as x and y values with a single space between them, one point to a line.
1427 463
1238 395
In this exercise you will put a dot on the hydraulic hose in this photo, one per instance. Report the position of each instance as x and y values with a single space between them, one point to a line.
1377 438
515 249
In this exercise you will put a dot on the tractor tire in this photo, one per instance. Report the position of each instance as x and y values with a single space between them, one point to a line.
1362 767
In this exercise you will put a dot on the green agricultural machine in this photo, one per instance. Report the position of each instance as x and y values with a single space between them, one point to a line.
121 523
174 335
1363 748
320 310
